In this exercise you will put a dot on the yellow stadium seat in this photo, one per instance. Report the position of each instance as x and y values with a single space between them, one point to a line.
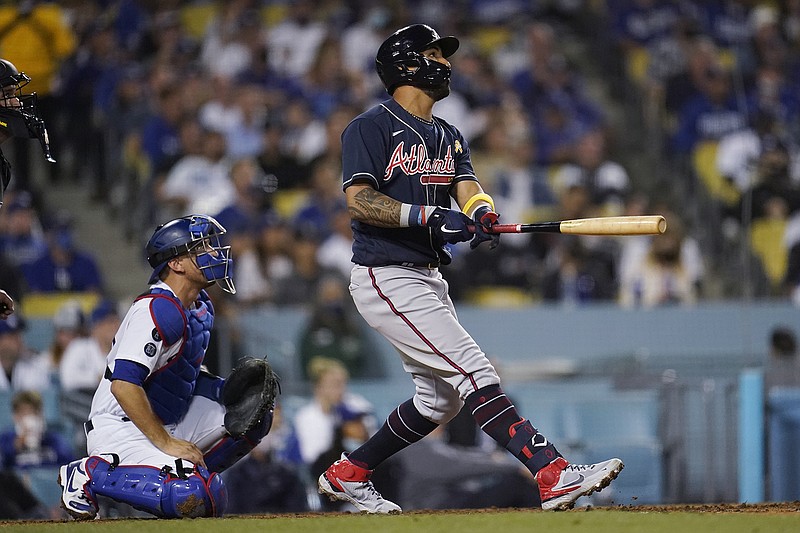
766 240
637 61
704 164
496 296
196 16
45 305
288 202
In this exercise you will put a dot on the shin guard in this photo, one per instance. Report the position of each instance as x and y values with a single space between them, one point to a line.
167 492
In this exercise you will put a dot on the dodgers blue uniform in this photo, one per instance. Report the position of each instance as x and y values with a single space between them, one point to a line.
396 284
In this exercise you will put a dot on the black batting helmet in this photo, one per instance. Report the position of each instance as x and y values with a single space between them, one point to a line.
399 60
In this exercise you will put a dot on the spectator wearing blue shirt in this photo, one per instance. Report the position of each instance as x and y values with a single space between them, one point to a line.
65 268
711 114
29 444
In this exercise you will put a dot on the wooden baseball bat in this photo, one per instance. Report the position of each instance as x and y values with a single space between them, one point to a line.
622 225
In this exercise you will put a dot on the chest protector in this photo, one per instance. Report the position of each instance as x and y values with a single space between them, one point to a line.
170 387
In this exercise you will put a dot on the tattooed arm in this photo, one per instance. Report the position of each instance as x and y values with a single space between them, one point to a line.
367 205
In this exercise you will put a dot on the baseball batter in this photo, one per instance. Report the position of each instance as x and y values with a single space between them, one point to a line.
156 434
402 169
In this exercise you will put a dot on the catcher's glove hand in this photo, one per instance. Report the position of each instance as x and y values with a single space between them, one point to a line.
248 395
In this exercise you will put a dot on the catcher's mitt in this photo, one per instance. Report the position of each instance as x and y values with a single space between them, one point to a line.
248 395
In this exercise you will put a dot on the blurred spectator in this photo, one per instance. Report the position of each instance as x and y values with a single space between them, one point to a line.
22 239
738 152
300 285
578 277
29 444
84 361
521 188
294 42
703 58
225 51
710 115
335 330
336 250
20 369
606 181
65 267
267 480
242 218
665 269
783 363
82 367
331 408
772 93
69 323
774 194
245 137
88 80
198 182
158 136
325 199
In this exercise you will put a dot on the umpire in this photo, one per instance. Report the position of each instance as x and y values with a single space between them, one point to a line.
19 117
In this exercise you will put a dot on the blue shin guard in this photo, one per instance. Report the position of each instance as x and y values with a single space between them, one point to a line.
167 493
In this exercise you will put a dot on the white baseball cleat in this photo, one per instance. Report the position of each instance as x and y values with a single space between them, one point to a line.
350 483
561 483
75 498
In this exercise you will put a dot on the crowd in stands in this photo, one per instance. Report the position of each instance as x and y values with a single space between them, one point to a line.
235 109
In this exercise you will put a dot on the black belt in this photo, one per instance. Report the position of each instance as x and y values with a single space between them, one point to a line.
88 426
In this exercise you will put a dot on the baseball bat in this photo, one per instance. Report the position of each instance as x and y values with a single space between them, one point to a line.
622 225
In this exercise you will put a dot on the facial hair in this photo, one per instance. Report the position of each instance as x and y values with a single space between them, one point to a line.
439 92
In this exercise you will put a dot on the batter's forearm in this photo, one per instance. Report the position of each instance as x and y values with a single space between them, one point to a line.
374 208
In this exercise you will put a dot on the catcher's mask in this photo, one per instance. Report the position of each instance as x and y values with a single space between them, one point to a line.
19 113
198 235
399 60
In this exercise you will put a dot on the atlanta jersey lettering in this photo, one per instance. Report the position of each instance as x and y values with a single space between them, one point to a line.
410 160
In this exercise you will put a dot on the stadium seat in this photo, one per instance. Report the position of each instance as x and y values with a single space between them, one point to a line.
766 241
704 165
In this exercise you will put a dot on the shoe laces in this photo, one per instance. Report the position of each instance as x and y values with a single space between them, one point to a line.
579 468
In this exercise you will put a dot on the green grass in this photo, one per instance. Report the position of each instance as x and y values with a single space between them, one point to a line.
578 521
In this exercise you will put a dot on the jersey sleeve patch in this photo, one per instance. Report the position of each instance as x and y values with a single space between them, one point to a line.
168 318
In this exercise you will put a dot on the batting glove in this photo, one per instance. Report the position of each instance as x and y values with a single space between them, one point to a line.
449 225
484 219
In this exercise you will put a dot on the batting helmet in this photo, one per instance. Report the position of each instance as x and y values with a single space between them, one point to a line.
399 60
19 113
194 233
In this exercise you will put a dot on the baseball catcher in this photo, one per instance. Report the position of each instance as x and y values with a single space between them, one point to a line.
161 427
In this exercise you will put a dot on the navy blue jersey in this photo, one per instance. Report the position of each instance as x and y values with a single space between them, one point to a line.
410 160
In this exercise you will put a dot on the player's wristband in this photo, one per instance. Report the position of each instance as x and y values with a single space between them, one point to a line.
471 204
415 215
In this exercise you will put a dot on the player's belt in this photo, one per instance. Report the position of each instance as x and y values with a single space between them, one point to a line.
434 264
88 426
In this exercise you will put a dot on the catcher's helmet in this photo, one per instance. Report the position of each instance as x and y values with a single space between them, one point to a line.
399 60
19 113
194 233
